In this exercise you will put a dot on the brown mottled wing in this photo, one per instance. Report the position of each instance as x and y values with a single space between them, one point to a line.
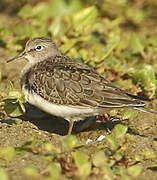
62 80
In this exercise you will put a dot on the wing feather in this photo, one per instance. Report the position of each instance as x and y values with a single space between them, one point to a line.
62 80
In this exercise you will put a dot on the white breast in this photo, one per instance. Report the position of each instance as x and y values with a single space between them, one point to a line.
63 111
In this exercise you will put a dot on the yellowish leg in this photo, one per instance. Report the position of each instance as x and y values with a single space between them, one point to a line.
71 123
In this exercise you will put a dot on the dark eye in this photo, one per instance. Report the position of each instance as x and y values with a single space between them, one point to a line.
39 47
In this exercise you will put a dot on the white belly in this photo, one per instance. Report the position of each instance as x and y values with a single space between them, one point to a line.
63 111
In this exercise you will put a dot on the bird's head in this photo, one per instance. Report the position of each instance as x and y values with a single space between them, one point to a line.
38 49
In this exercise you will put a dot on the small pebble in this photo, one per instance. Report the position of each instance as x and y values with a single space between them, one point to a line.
89 141
100 138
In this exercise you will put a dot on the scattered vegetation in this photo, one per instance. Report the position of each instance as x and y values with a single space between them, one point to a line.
118 39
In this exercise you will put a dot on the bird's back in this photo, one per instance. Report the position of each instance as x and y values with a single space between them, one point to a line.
64 81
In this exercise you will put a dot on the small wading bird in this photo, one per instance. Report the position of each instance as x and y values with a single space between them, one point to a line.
66 88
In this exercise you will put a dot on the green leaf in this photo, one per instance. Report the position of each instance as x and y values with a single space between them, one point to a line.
112 141
61 7
136 15
69 43
26 11
138 158
71 142
99 159
5 31
149 154
57 27
130 114
119 130
144 74
118 156
13 94
80 158
51 148
98 52
55 9
3 174
39 11
113 113
136 44
124 177
13 109
109 173
134 170
85 170
111 44
31 172
112 62
55 171
84 18
14 102
24 30
81 161
7 153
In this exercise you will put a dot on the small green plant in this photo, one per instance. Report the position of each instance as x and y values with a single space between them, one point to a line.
13 102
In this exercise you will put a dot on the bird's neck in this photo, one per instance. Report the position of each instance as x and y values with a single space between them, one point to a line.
24 73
